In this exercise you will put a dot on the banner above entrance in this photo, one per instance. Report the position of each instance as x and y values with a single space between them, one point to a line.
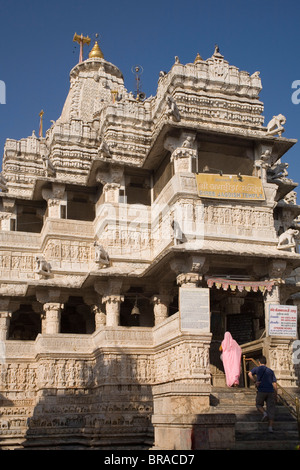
226 284
246 188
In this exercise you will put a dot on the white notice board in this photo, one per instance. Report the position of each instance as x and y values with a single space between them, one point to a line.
283 320
194 308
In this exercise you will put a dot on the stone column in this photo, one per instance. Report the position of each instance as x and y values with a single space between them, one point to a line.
184 152
111 192
53 315
188 279
53 301
112 298
8 215
6 309
55 197
4 325
112 303
111 178
189 270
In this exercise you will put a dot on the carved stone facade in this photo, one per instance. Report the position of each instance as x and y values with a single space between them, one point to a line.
102 226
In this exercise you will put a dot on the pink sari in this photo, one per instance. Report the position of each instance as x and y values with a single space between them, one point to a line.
231 356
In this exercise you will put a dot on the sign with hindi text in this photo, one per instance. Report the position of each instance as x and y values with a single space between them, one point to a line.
283 320
246 188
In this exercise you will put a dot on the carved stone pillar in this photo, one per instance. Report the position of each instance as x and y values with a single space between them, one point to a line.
111 192
53 315
188 279
111 178
160 307
112 298
189 269
113 303
8 215
4 325
57 200
184 152
184 160
6 309
53 302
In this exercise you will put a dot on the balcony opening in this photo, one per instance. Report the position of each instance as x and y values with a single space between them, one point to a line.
76 317
80 207
29 218
25 324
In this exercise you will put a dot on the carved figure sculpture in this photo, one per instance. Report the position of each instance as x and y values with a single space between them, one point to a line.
42 266
263 164
279 172
3 183
287 241
101 256
275 126
104 150
172 109
48 165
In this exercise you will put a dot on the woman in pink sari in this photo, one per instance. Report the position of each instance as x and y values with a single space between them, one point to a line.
231 357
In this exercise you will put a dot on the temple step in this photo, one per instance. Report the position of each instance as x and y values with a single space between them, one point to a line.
250 431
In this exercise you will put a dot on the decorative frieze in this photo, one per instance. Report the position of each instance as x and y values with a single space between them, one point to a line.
183 361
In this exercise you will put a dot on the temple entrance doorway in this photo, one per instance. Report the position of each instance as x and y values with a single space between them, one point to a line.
240 313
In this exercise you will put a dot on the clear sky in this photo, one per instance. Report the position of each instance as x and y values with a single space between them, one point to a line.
37 51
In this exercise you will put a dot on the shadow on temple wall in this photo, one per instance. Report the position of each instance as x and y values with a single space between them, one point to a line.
105 403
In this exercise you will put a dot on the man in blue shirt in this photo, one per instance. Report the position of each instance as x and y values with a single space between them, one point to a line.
266 385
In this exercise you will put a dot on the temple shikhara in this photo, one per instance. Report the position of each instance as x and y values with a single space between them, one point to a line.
135 232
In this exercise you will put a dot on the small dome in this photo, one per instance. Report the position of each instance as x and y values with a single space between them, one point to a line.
96 52
198 58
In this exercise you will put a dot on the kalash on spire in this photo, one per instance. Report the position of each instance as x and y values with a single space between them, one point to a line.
86 40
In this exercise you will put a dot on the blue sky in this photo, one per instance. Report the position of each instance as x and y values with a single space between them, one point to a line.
37 51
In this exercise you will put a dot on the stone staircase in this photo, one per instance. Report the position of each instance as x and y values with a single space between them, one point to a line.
250 432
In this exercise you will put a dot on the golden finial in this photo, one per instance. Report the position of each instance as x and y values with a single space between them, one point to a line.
96 52
198 58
